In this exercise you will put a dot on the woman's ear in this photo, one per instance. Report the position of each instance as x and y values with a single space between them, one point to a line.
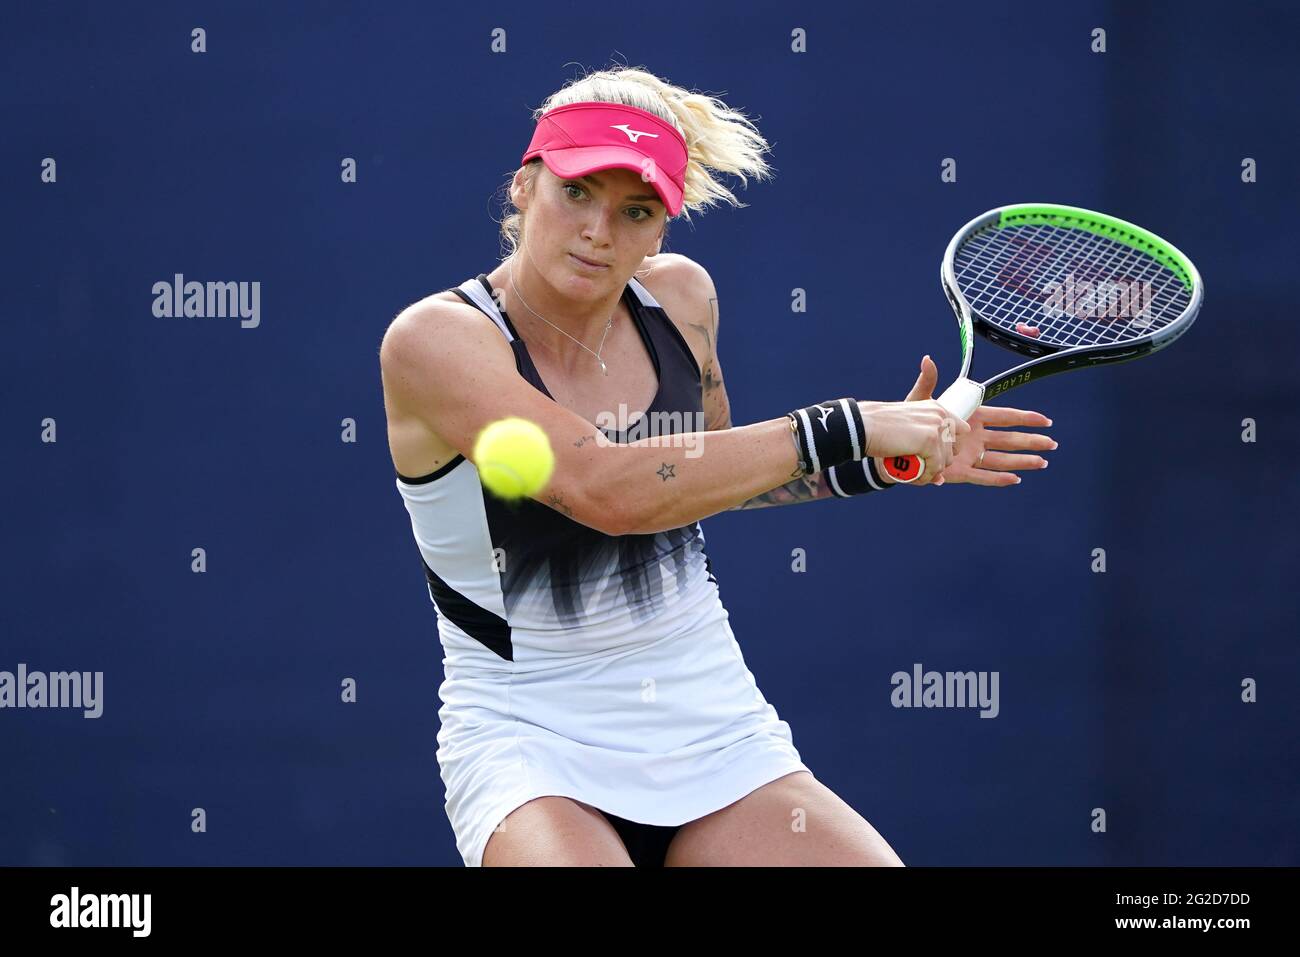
519 195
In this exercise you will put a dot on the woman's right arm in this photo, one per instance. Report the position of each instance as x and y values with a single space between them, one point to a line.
456 373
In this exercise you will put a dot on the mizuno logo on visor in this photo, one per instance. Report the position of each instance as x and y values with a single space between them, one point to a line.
632 134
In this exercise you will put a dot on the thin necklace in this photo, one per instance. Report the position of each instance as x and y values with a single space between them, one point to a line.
515 286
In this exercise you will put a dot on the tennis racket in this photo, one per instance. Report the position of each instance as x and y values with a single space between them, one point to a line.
1065 287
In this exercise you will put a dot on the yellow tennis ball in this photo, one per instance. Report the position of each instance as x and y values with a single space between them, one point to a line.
514 458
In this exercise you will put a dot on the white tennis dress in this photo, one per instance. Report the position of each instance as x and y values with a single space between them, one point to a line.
595 667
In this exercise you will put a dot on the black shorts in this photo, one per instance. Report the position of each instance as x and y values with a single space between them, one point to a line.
647 844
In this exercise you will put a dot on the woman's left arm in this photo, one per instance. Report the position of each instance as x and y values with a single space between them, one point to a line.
980 456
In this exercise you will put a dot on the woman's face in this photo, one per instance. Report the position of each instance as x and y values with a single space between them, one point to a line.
610 217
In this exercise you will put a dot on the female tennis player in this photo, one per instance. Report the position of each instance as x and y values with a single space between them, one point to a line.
596 708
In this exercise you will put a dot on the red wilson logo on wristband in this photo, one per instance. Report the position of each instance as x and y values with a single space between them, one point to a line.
903 468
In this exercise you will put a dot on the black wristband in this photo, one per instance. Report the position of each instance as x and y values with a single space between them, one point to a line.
829 433
857 478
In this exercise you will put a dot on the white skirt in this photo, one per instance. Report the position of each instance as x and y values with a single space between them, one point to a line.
661 733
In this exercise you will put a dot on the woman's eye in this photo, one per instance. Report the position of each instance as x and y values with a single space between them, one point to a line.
645 213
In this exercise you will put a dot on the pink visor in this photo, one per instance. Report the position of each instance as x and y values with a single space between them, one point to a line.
582 138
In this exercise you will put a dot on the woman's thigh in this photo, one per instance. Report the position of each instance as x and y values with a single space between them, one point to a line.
555 832
792 821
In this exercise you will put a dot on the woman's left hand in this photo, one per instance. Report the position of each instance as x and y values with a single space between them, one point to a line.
983 456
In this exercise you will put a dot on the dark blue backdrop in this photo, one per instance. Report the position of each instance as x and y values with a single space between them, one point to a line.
1119 691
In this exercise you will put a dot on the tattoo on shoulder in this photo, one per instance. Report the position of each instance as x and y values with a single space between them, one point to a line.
714 398
579 443
709 377
707 330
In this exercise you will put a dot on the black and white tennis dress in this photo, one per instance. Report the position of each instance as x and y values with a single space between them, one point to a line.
600 668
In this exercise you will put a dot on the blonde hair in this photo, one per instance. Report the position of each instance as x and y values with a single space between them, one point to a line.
718 138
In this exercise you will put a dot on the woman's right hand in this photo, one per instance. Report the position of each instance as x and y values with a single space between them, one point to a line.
923 428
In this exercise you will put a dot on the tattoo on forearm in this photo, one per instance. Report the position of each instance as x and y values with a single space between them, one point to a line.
583 441
667 472
559 505
808 488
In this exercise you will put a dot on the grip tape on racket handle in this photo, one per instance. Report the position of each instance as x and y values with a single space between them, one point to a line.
961 398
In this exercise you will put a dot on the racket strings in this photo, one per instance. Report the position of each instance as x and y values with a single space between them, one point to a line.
1066 287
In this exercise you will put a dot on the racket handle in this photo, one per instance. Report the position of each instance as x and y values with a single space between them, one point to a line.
961 398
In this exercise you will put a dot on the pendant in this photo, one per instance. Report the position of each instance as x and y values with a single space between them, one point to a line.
603 370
